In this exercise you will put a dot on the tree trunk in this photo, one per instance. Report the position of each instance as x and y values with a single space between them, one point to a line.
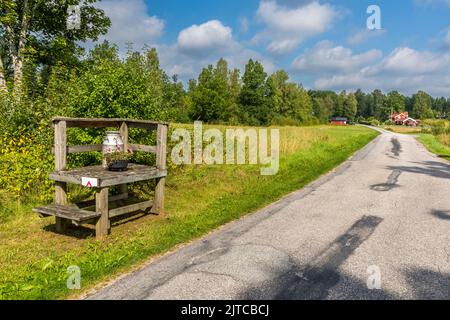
17 43
18 74
2 77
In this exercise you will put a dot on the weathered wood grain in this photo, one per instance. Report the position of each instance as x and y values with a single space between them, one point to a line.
60 165
106 178
130 208
106 122
123 188
161 147
101 207
66 212
143 148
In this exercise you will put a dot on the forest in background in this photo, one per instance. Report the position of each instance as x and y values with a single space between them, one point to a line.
102 84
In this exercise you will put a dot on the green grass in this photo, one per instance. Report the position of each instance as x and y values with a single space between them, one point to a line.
433 145
34 259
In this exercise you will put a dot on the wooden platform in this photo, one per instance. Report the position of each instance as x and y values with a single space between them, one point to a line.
100 210
67 212
106 178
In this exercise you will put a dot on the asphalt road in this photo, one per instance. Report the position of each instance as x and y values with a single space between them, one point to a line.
387 209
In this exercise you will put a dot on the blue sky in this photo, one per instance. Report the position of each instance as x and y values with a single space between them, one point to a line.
322 44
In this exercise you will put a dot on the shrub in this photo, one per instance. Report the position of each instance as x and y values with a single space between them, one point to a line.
25 162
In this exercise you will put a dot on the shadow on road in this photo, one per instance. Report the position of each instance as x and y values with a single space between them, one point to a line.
314 281
427 284
430 168
441 214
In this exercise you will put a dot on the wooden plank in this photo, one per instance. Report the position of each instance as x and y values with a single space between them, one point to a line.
101 207
143 148
60 146
143 125
81 148
106 122
90 203
84 148
130 208
114 181
60 165
123 188
161 147
66 212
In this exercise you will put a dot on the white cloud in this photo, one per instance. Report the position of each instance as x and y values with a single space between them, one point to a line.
404 69
243 24
131 23
207 37
405 61
201 45
287 27
446 43
188 66
327 58
364 35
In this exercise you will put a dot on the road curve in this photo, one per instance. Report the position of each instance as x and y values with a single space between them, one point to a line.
382 218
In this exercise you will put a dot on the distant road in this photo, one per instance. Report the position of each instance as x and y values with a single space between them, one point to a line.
387 209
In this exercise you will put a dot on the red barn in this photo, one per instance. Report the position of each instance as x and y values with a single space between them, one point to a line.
339 121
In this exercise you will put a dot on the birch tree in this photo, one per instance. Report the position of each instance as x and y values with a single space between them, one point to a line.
38 29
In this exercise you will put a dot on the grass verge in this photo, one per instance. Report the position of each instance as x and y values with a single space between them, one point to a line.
433 145
34 259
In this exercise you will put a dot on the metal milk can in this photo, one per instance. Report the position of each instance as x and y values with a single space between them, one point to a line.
112 143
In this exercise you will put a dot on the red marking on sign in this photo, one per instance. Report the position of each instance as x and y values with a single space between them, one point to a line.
89 185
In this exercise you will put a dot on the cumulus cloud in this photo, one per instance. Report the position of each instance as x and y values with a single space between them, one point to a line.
364 35
325 57
404 69
131 23
287 27
405 61
200 45
188 66
207 37
446 42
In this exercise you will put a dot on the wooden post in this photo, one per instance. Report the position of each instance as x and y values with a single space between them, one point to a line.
101 206
161 147
123 189
61 164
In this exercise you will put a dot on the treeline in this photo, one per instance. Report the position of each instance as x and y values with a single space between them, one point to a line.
103 84
255 98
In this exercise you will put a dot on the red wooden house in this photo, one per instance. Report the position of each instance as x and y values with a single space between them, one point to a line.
403 119
399 118
339 121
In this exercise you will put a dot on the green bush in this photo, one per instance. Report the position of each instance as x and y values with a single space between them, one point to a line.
25 162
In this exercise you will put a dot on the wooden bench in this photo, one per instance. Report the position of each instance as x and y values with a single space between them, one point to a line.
100 178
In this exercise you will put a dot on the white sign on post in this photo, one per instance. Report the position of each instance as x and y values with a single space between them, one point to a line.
89 182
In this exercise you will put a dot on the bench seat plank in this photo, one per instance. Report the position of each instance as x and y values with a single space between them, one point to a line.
66 212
